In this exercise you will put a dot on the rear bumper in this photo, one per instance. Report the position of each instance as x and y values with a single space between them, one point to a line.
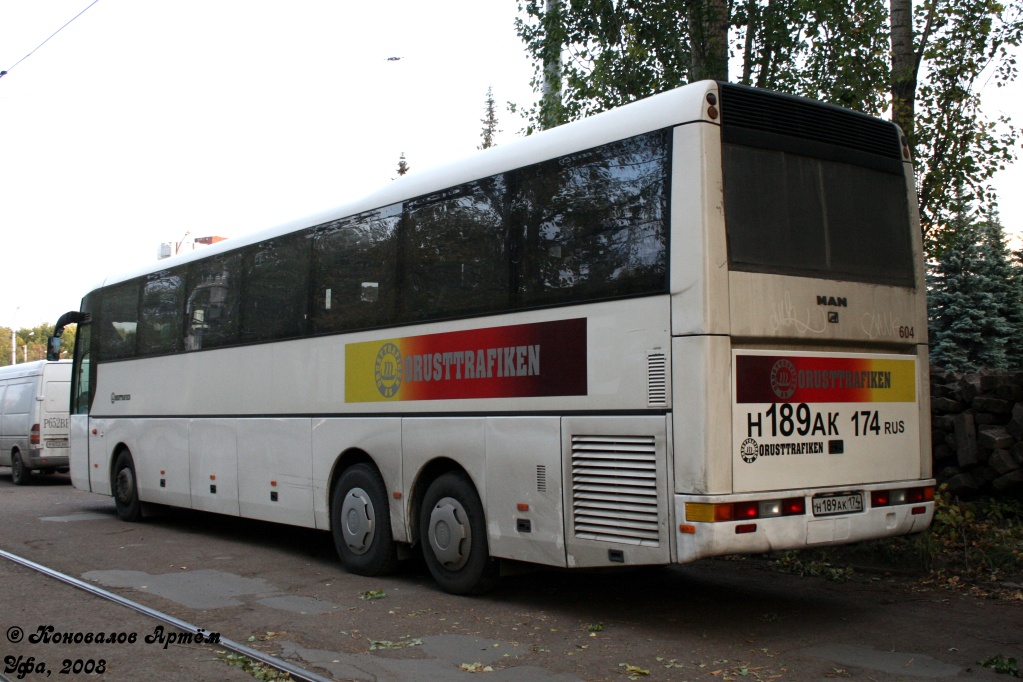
46 458
698 540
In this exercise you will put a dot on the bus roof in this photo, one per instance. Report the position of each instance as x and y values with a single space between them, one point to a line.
675 107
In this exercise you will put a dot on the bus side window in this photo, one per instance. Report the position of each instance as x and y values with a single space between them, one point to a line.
275 288
353 270
595 224
458 258
118 321
211 303
160 322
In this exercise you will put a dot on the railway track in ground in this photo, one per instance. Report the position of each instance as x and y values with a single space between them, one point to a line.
189 633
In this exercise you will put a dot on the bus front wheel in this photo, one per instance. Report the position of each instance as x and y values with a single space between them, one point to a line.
453 532
19 472
126 490
360 522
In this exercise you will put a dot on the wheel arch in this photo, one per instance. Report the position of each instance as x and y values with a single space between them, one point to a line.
112 463
344 461
429 473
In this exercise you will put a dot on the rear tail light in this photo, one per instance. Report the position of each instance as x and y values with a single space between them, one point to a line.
708 512
891 498
925 494
795 506
33 436
747 510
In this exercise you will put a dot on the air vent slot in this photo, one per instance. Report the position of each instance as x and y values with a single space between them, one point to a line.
657 379
772 112
614 489
541 478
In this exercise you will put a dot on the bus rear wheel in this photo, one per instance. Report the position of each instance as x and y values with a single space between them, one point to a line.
126 490
20 474
453 532
360 521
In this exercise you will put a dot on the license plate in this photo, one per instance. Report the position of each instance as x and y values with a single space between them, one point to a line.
839 503
56 443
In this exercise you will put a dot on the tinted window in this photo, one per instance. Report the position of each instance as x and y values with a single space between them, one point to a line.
354 266
118 321
594 225
211 305
160 323
585 227
793 214
455 256
275 288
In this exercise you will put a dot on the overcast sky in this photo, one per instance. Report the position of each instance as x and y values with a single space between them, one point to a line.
143 121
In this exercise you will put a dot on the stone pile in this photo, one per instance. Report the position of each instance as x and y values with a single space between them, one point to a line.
977 432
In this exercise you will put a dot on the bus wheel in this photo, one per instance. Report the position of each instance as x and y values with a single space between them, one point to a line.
19 473
126 491
360 521
453 532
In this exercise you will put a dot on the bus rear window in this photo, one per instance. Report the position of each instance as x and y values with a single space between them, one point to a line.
792 214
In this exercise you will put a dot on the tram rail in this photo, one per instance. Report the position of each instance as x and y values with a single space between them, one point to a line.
297 673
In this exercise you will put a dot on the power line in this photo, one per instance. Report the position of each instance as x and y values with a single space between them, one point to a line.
4 73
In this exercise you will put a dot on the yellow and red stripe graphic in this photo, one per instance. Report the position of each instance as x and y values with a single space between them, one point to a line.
526 360
819 379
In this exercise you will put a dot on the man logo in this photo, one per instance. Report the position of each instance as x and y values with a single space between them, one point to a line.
387 370
748 451
783 379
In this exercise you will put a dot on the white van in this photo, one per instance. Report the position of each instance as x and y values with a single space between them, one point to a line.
34 401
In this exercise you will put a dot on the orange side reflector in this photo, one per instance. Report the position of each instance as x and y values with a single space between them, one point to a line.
687 528
273 484
522 506
397 495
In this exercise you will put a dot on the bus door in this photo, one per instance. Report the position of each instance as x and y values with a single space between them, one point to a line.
81 383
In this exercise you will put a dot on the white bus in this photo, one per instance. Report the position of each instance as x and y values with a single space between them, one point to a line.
34 418
691 326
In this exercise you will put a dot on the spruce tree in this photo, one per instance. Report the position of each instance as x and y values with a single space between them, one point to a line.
967 330
1005 283
489 122
403 166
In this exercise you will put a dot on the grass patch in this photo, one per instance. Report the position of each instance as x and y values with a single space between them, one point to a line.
969 542
258 670
979 540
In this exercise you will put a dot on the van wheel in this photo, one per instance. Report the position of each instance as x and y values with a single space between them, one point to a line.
453 531
126 491
360 521
19 473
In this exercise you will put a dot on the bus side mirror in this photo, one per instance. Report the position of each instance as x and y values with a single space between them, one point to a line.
53 348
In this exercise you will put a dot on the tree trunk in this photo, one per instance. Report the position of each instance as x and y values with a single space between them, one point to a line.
708 45
904 65
551 114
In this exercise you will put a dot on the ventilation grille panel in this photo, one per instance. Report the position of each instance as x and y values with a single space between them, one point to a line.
657 379
772 112
614 489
